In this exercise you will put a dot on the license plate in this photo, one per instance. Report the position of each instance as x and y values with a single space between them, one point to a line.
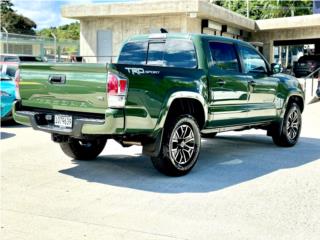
63 121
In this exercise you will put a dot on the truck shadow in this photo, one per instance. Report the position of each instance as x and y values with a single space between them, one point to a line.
223 162
5 135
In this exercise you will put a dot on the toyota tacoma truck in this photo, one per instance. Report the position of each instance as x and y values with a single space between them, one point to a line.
165 92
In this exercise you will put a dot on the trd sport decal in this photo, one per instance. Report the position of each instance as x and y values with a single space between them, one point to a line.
139 71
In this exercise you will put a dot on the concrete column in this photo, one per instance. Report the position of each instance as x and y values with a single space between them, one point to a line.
268 51
287 56
271 52
280 55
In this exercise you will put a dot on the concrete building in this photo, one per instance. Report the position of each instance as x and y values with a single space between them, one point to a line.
103 27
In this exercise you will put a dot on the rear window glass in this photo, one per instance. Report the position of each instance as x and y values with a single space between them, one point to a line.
5 77
180 53
133 53
155 53
8 70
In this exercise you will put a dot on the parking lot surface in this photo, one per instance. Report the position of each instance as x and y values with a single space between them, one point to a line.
243 187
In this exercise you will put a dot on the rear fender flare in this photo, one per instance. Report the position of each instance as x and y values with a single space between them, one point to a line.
177 95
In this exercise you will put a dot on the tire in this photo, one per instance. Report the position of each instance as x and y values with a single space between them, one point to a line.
209 135
180 147
83 149
290 130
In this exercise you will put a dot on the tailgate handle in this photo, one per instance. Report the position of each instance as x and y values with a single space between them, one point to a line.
57 79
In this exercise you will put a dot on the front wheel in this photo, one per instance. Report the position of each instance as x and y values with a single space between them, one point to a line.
83 149
290 130
180 147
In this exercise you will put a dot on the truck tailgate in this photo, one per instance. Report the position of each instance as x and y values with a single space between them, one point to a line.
69 87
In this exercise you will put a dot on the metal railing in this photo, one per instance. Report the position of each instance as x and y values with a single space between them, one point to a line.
313 74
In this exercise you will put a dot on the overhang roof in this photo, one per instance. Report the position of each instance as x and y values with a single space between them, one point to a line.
288 22
195 8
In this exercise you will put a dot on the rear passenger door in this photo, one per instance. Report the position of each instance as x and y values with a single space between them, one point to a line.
262 85
228 86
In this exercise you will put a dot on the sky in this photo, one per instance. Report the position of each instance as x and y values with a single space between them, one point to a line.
46 13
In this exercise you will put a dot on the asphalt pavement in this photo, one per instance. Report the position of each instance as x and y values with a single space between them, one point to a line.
243 187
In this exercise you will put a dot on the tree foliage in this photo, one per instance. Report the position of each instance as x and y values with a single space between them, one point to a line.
68 31
13 22
262 9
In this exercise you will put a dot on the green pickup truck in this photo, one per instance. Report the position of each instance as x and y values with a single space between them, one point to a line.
165 92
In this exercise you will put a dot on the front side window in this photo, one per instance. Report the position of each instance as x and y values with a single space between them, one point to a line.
224 57
134 53
180 53
253 62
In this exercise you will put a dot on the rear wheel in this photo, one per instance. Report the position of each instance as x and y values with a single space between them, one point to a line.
180 147
83 149
290 130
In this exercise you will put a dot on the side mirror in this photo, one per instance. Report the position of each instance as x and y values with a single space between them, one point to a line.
276 68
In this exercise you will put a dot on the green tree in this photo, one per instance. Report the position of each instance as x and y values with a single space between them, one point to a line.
13 22
281 8
240 6
262 9
68 31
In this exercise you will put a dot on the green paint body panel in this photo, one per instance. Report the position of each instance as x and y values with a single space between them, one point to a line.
85 83
150 95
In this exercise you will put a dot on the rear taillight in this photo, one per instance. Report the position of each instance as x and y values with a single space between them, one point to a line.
17 83
117 88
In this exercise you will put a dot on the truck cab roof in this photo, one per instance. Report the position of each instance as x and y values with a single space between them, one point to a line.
194 36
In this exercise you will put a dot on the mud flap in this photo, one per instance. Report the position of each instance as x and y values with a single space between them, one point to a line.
153 148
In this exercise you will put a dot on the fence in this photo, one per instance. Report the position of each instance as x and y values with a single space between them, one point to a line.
12 43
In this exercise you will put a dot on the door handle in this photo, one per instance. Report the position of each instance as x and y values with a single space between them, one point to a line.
57 79
221 82
252 83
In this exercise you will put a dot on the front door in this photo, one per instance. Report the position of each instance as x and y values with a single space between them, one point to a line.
228 87
262 86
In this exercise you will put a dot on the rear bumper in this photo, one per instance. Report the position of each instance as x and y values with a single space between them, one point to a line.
113 123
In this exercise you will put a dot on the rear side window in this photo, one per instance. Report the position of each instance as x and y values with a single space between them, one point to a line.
180 53
224 57
133 53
